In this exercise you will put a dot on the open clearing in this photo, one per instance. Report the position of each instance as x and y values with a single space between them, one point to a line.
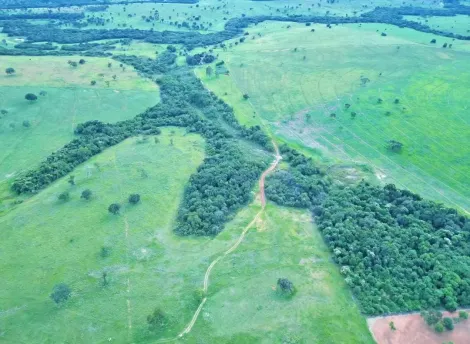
412 329
305 77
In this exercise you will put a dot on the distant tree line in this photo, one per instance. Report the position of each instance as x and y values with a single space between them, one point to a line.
234 27
11 4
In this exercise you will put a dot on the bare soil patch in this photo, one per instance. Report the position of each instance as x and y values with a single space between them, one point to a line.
411 329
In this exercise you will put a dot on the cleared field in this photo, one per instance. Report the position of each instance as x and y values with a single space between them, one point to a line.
58 242
297 79
411 328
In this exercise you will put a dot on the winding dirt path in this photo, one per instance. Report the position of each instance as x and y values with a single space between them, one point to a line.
262 196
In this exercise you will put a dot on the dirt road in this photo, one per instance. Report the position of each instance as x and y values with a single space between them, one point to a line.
232 248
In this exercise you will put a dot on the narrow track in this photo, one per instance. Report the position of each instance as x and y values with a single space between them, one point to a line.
262 196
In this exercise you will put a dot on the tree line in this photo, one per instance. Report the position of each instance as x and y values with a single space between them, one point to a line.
234 27
397 251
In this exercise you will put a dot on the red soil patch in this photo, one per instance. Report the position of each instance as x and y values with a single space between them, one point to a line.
411 329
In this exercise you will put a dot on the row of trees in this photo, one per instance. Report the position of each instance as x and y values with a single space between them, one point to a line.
234 27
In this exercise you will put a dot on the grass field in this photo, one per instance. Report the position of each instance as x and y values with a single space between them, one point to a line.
148 266
457 24
306 76
243 307
61 242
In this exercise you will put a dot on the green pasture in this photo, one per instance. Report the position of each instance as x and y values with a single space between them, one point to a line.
458 24
244 307
46 241
148 266
296 79
53 117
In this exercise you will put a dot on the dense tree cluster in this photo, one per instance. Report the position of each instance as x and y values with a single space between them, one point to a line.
302 186
397 251
234 27
199 59
68 3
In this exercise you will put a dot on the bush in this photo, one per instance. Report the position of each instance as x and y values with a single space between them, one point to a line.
114 208
463 315
64 196
60 293
439 327
134 198
86 194
448 324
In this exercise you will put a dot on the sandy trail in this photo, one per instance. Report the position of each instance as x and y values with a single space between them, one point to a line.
262 196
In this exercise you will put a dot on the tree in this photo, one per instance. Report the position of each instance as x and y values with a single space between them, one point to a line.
93 82
82 61
394 146
134 198
10 71
114 208
60 293
448 324
104 275
64 196
72 63
209 71
353 114
86 194
246 96
463 315
157 320
285 286
397 101
109 65
439 327
71 180
379 101
31 97
433 41
391 324
26 124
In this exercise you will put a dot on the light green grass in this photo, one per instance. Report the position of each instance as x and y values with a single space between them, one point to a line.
458 24
243 306
150 267
295 97
53 118
54 71
46 242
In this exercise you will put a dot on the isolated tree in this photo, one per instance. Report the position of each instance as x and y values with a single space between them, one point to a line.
157 320
433 41
104 276
31 97
60 293
246 96
394 146
64 196
391 324
379 101
72 63
439 327
171 49
109 65
209 71
93 82
463 315
42 93
71 180
86 194
114 208
396 101
82 61
134 198
26 124
10 71
3 111
353 114
114 77
285 286
105 251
